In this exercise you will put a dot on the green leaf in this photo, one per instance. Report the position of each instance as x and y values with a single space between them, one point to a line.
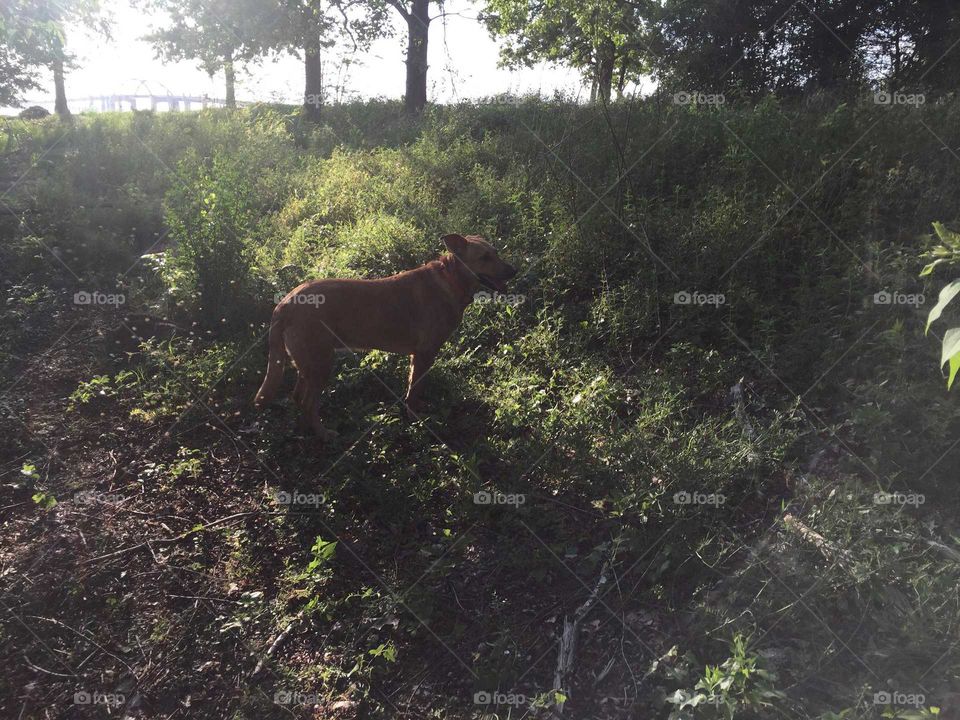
951 352
954 366
929 267
323 550
387 651
947 236
946 295
45 501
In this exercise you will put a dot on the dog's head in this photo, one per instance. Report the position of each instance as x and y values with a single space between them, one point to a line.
481 259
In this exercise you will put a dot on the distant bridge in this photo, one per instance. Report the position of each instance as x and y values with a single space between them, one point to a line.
120 103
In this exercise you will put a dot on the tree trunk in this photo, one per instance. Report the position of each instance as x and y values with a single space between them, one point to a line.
313 89
897 59
230 75
418 27
606 59
933 42
60 103
622 78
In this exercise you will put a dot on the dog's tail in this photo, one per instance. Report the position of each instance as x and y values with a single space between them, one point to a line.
278 353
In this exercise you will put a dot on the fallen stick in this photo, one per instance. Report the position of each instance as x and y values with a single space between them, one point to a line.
740 410
568 638
276 643
169 540
740 413
830 551
945 550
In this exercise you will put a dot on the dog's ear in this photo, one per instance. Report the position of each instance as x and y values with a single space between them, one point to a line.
456 244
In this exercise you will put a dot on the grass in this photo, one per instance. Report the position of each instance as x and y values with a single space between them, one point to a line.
689 454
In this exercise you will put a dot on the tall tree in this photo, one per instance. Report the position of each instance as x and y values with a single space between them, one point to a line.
710 46
604 39
827 37
219 34
738 47
756 46
224 33
310 27
33 37
926 37
417 17
25 46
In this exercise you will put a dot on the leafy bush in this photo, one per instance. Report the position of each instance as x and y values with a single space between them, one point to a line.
947 253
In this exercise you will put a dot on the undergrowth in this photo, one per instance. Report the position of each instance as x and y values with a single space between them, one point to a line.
711 397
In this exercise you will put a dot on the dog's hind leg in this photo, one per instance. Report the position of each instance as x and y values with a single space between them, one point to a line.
314 374
274 375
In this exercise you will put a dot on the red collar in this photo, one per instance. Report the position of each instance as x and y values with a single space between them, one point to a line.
448 271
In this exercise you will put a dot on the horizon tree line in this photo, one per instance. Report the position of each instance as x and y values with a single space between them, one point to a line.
743 48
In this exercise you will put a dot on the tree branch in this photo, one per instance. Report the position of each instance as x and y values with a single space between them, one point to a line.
398 6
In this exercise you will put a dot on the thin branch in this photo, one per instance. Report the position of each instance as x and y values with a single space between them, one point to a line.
168 540
276 643
398 6
476 18
568 638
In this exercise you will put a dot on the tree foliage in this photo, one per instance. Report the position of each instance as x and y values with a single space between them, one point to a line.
604 39
746 47
32 38
221 33
215 33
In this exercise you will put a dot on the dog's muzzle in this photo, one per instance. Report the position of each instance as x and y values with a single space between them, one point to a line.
498 283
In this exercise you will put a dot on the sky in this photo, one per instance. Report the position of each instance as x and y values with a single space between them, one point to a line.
463 65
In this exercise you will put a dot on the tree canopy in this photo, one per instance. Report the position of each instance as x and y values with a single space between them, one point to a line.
604 39
747 47
33 38
215 33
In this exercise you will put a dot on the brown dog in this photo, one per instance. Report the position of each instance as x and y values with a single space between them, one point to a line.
413 313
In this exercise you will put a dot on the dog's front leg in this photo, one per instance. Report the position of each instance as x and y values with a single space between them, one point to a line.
420 363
